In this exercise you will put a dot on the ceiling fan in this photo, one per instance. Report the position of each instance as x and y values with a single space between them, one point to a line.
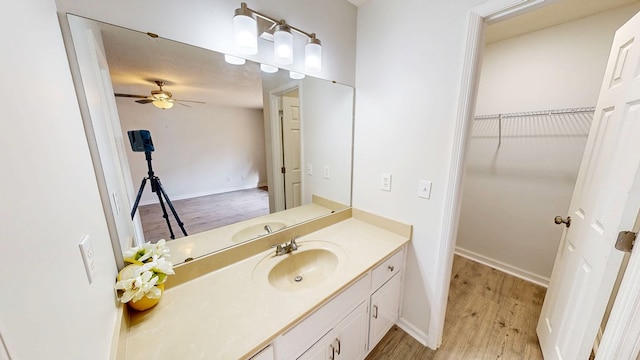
161 99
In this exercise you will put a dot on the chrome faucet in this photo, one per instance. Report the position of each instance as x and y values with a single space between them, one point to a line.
267 228
287 248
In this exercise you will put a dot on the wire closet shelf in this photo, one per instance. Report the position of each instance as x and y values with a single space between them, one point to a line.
569 122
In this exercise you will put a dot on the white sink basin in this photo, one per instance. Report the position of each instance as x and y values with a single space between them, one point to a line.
254 231
314 264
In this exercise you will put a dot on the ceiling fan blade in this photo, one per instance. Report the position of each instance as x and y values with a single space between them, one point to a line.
131 96
144 101
178 102
191 101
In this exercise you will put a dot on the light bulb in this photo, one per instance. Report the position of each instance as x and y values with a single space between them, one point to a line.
313 55
283 45
234 60
245 31
268 68
163 104
296 75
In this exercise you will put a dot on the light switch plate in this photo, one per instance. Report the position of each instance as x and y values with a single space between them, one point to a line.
385 182
88 257
424 189
309 169
327 172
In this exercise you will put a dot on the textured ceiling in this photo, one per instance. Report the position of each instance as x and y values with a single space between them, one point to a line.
190 73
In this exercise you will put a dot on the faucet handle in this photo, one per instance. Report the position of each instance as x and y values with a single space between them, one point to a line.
293 244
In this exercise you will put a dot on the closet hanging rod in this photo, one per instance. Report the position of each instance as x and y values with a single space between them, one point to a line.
580 110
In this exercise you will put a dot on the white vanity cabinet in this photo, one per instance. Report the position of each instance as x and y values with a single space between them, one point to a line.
351 323
347 341
386 296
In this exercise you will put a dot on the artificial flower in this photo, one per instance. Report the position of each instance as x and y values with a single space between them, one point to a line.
141 285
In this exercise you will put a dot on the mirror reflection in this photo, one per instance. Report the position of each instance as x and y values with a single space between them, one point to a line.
236 149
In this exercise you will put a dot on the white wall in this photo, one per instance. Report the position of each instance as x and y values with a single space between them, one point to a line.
512 193
199 150
408 77
208 24
49 201
326 112
554 68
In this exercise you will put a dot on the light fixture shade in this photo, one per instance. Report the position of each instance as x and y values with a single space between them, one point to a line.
163 104
313 55
296 75
234 60
283 45
245 31
268 68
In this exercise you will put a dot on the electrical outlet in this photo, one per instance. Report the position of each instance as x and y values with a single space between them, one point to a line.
424 189
327 172
309 169
385 182
88 257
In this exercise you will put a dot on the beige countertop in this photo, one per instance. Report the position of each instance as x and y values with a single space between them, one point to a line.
231 313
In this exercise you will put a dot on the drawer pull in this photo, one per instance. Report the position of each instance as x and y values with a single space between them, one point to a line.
390 267
375 311
338 349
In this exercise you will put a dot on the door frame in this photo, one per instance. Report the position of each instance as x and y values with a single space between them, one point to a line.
621 321
276 187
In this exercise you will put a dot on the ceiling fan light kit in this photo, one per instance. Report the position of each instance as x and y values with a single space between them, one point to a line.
245 27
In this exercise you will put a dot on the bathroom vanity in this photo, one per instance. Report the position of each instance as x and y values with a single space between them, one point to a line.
334 297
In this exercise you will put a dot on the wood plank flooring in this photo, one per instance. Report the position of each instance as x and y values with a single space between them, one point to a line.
490 315
204 213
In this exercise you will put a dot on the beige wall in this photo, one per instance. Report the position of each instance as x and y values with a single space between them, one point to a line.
408 78
200 150
49 201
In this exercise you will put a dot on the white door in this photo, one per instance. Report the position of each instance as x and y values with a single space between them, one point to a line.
587 263
351 334
291 151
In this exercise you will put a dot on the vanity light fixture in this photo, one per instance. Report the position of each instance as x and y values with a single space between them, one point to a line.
296 75
246 39
234 60
268 68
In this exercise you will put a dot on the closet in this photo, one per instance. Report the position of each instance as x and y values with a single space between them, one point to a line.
534 108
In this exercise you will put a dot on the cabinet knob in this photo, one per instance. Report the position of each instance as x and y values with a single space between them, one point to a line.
390 267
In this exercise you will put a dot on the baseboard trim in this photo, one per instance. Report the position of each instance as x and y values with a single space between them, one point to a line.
414 332
206 193
506 268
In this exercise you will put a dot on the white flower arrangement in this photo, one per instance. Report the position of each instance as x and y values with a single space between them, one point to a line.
152 270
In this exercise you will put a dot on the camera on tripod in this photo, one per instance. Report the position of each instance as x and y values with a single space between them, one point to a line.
141 141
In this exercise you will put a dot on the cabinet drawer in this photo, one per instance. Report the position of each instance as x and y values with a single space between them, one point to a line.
387 269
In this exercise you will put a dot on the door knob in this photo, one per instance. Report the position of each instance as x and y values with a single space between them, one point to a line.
559 220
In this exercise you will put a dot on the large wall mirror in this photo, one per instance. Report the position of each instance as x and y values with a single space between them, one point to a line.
236 149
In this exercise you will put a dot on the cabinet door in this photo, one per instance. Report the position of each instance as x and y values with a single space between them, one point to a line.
264 354
351 334
322 350
385 306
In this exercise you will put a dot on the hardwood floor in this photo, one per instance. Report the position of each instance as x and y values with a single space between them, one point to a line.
490 315
204 213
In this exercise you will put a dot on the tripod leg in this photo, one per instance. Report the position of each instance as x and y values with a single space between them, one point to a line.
164 210
173 210
135 205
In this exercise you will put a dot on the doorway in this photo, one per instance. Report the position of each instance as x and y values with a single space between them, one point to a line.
469 110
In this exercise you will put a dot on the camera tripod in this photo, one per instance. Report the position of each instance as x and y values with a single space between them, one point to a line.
156 187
